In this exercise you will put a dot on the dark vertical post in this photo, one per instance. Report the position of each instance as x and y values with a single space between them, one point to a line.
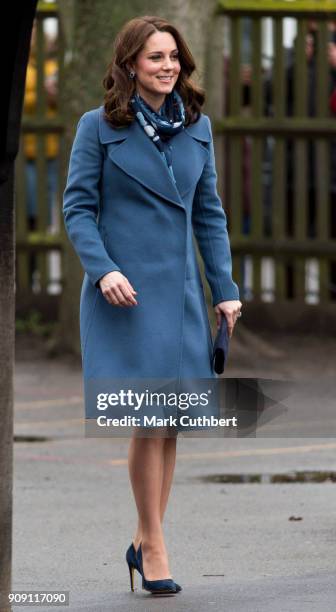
323 153
236 140
301 160
279 175
15 39
6 374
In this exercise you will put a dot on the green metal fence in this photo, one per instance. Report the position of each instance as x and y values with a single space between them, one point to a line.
280 153
39 166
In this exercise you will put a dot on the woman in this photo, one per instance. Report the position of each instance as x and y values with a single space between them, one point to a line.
141 183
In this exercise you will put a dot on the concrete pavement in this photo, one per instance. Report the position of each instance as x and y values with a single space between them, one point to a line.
235 547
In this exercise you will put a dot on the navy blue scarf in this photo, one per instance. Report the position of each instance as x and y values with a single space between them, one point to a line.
159 127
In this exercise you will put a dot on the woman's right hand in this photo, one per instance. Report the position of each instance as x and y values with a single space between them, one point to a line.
117 289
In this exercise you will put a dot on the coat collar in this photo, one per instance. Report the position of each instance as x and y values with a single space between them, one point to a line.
135 154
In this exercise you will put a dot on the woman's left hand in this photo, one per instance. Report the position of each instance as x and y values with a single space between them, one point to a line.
230 309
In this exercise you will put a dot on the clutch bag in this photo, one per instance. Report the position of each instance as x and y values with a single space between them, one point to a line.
221 347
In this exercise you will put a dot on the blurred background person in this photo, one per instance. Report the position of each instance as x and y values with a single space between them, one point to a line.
332 103
311 43
51 140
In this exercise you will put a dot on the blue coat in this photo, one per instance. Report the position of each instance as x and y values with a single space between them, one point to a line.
122 211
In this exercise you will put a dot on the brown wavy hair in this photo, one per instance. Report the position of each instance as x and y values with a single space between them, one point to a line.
119 87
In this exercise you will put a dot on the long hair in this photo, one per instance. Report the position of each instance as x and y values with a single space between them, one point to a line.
119 87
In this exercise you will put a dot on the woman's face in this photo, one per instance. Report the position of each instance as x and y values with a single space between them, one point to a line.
159 58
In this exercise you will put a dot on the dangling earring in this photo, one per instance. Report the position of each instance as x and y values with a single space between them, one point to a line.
131 74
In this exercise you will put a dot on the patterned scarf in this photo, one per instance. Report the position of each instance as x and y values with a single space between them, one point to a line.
159 127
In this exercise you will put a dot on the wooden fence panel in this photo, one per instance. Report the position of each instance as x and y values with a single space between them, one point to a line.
285 131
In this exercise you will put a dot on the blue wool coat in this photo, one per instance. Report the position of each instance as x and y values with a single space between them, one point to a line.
122 211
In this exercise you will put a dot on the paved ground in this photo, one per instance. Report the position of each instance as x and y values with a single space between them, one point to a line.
235 547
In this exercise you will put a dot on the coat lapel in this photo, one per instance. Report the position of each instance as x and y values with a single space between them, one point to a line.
189 155
131 149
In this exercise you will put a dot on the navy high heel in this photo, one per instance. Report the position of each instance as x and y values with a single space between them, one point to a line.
166 585
131 558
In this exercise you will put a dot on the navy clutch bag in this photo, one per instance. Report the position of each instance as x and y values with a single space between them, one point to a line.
221 347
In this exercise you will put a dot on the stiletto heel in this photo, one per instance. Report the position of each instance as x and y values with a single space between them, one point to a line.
132 561
166 585
131 573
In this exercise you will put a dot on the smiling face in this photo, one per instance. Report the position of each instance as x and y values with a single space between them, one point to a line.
159 58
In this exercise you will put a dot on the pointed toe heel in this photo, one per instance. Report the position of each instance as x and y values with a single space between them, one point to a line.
133 564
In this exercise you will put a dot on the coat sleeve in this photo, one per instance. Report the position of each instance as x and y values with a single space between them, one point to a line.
210 230
81 200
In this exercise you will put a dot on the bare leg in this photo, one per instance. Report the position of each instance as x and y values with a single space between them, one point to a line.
151 468
169 451
168 472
